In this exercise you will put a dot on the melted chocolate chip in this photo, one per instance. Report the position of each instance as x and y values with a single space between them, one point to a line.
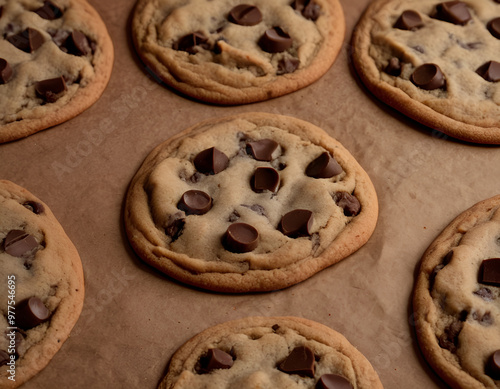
349 203
492 367
233 217
484 319
77 44
19 243
490 71
214 359
275 40
287 65
245 15
489 272
195 202
49 11
262 150
4 358
455 12
449 339
258 209
28 40
191 43
297 223
300 361
409 20
265 178
5 71
240 238
485 293
333 381
211 161
34 207
308 8
175 225
31 312
51 90
324 166
494 27
393 67
428 76
275 327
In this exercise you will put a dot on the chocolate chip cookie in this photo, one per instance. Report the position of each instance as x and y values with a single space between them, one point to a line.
457 299
436 62
270 352
42 285
252 202
55 61
231 52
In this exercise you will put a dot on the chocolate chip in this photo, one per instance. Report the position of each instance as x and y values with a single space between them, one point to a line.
18 243
349 203
262 150
195 202
490 71
34 207
275 327
4 358
28 40
393 67
287 65
175 225
455 12
215 359
245 15
449 339
233 217
192 42
333 381
77 43
428 76
324 166
409 20
265 178
489 272
297 223
494 27
240 238
49 11
5 71
211 161
259 209
485 293
484 319
51 90
492 367
300 361
31 312
308 8
275 40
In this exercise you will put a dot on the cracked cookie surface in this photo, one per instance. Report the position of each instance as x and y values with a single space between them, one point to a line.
56 59
252 202
230 52
456 299
458 42
41 272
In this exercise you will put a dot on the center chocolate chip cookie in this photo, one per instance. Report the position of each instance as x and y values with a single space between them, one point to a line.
42 280
253 202
457 299
229 52
270 352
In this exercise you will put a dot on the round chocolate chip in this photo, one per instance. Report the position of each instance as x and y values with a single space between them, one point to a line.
28 40
240 238
51 90
455 12
211 161
300 361
393 67
297 223
245 15
195 202
18 243
490 71
409 20
333 381
34 207
324 166
5 71
428 76
493 365
262 150
216 359
31 312
494 27
265 178
49 11
275 40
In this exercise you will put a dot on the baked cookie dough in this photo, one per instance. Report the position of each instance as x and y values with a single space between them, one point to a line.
270 352
252 202
42 286
457 299
55 61
436 62
232 52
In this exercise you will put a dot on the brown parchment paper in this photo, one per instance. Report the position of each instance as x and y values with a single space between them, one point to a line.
134 318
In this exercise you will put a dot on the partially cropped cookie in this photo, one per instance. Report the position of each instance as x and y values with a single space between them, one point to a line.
457 299
55 61
42 285
270 352
436 62
252 202
232 52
